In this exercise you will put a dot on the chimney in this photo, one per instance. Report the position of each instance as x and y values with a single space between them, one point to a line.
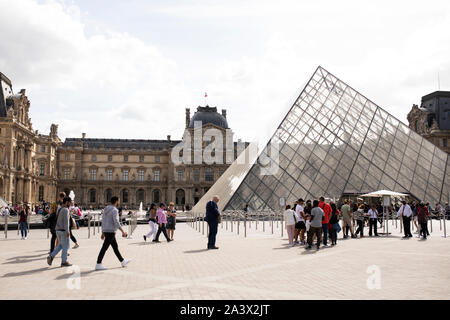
188 117
224 113
83 135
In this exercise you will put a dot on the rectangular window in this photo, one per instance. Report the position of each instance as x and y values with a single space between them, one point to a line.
141 158
444 142
41 193
94 174
67 156
42 148
156 175
180 175
109 158
209 174
157 159
94 157
42 169
66 174
141 175
196 175
109 174
125 175
125 158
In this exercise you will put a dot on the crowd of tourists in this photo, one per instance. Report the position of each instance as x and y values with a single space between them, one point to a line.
60 221
321 221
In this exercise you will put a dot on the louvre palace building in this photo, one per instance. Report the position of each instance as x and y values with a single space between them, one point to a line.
35 167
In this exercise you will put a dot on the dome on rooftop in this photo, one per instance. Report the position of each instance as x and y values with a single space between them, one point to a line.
208 115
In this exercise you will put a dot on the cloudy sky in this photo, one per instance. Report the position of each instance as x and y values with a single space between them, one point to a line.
128 69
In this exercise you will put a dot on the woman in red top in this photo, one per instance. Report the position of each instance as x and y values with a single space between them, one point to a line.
23 216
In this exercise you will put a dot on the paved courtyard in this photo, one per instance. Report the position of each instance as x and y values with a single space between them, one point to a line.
260 266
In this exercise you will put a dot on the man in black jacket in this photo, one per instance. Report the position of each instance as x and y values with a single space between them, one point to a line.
212 218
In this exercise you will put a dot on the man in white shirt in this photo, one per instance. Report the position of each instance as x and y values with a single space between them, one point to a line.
405 213
300 225
373 215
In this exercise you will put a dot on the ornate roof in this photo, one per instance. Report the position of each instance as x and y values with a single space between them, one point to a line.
119 143
208 115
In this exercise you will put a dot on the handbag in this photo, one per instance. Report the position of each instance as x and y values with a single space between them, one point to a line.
337 227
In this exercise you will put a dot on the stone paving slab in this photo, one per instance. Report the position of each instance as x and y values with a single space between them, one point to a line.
260 266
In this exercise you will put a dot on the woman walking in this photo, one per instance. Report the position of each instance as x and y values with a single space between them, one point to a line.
171 220
289 218
162 221
152 223
334 224
23 216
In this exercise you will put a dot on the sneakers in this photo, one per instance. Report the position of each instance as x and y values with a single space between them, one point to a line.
49 260
99 266
75 246
125 262
145 238
213 247
308 248
156 241
303 243
66 264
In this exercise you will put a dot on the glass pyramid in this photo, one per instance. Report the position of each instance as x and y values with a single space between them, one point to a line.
335 141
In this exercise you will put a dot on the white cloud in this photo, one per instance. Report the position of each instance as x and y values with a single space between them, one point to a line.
110 83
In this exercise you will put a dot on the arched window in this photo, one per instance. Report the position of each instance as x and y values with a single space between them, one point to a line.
156 197
92 196
108 195
140 195
180 197
125 196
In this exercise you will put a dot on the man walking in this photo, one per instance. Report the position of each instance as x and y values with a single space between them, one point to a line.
212 218
317 217
63 233
110 223
327 211
405 213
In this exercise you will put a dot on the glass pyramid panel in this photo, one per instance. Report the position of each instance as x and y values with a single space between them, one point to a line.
335 141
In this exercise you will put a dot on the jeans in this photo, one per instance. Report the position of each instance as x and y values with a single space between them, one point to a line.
373 223
325 233
212 233
407 226
23 228
360 227
162 229
63 245
110 239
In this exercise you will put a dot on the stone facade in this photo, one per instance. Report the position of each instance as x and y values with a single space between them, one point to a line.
35 167
432 119
27 159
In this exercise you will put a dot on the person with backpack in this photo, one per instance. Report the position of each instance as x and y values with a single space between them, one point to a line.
62 233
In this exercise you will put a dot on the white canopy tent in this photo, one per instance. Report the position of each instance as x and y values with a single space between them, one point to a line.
381 193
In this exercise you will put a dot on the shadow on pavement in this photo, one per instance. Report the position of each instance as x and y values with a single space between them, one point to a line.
25 273
196 251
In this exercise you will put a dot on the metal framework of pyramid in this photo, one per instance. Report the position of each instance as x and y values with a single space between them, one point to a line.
335 141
